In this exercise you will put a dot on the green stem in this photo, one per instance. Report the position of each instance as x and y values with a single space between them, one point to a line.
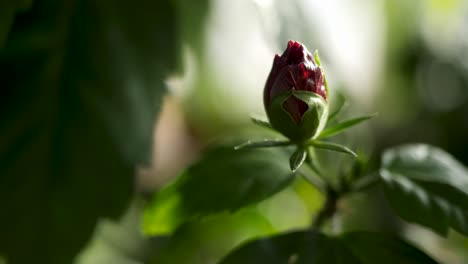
366 182
328 209
318 181
331 196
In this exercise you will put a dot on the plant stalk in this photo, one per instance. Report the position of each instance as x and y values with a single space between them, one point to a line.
328 209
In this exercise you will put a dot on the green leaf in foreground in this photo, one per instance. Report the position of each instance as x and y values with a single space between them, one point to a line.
332 147
316 248
426 185
81 86
223 180
340 127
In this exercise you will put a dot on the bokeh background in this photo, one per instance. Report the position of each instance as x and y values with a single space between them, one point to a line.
405 60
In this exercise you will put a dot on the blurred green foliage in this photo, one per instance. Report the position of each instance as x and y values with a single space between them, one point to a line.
82 82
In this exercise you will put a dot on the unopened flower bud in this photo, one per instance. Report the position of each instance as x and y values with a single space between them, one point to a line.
295 96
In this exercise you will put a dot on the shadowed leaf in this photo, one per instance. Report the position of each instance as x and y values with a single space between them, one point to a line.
316 248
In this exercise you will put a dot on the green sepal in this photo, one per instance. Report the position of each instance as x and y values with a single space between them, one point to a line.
312 123
342 126
317 114
297 158
263 144
261 123
332 147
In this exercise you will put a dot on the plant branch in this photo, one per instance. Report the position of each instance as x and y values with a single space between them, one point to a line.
328 209
318 181
365 182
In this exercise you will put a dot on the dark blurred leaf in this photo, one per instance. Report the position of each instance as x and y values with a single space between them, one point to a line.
208 240
316 248
81 84
223 180
8 9
426 185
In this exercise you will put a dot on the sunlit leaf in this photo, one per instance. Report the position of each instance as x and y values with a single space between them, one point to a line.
223 180
202 241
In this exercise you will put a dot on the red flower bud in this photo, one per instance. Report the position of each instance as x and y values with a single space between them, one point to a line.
293 73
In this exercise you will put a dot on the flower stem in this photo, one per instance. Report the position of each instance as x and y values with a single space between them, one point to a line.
328 209
366 182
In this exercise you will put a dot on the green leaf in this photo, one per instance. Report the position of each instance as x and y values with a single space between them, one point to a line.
340 127
263 144
332 147
223 180
208 240
82 82
316 116
297 158
316 248
427 186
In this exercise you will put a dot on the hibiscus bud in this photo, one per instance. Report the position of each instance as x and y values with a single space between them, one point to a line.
295 96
